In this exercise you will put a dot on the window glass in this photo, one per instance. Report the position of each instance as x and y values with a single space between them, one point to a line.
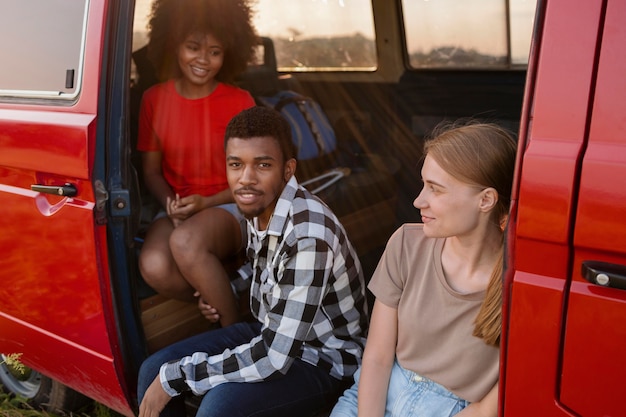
522 21
143 9
468 33
308 35
319 35
42 45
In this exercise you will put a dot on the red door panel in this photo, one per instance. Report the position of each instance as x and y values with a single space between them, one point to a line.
594 364
55 297
558 104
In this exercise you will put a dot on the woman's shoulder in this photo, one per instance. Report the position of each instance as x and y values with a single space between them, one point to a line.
410 233
160 89
232 91
409 240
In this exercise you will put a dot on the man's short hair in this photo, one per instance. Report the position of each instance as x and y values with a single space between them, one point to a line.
261 121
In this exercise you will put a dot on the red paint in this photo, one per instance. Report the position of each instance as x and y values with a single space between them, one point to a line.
563 337
563 352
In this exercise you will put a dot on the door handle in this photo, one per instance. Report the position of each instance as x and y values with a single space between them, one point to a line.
605 274
67 190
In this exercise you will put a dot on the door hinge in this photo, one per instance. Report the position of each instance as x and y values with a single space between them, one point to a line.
102 196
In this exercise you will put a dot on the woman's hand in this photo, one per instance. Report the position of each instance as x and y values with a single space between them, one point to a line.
180 209
487 407
186 206
210 313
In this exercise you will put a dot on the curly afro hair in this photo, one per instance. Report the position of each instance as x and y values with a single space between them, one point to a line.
230 21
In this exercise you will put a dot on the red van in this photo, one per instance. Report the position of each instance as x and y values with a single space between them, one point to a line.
73 205
563 352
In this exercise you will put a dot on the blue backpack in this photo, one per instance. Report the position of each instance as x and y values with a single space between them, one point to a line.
312 133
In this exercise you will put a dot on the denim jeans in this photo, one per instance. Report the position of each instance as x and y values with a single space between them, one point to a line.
409 394
302 391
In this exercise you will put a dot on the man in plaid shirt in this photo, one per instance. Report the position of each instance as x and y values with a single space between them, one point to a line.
307 295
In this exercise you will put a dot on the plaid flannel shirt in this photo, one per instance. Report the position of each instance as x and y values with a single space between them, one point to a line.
308 293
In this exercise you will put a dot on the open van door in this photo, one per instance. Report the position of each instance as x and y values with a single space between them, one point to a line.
55 106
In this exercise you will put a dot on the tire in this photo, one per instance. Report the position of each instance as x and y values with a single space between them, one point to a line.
40 391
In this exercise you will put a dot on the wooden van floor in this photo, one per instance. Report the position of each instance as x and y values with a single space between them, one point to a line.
166 321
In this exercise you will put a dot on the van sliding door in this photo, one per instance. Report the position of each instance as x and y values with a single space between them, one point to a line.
594 361
557 105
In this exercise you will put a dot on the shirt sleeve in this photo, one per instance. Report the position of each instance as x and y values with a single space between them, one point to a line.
295 293
387 281
242 281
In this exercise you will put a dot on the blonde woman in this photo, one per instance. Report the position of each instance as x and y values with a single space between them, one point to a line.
432 348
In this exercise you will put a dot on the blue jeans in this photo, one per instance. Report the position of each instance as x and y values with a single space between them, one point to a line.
409 394
302 391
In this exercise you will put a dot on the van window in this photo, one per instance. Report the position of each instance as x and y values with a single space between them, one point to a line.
42 43
328 35
481 34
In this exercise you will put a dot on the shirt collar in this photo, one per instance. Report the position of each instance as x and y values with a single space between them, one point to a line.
281 211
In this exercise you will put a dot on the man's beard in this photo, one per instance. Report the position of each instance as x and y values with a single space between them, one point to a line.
251 214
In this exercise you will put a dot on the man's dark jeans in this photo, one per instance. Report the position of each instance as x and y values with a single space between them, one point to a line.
303 391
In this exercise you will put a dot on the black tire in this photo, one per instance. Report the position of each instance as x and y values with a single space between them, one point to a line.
40 391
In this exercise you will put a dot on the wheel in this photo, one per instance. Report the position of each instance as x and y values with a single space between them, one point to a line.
40 391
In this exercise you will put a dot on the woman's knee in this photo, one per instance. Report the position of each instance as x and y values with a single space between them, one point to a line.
184 240
155 266
155 259
159 272
214 231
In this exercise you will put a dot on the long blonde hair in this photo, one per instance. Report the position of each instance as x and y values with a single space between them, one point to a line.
481 154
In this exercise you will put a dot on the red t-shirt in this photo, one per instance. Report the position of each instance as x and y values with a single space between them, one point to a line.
190 135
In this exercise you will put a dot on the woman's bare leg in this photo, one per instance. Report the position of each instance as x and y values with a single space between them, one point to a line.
157 265
199 246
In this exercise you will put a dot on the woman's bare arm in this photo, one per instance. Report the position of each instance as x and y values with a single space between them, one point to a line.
378 359
153 177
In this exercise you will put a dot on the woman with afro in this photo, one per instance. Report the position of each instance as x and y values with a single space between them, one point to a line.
197 48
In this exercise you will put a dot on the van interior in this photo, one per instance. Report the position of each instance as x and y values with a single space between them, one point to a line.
380 113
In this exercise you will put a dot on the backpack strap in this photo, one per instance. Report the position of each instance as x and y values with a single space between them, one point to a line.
300 101
285 100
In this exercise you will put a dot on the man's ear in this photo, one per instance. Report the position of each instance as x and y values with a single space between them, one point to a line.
488 199
290 169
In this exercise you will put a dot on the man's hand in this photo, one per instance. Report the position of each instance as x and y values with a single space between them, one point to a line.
210 313
154 401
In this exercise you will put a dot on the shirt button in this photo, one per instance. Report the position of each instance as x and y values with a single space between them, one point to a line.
418 378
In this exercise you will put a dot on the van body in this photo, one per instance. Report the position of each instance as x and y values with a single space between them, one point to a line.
73 302
566 263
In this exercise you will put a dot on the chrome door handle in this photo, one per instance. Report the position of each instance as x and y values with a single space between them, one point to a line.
605 274
67 190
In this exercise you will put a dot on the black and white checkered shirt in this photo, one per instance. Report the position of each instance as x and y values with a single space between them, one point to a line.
308 293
